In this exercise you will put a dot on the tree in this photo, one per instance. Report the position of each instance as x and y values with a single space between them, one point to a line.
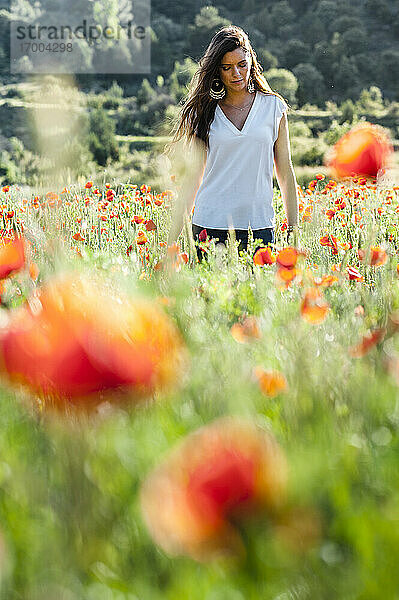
296 52
323 58
281 14
380 10
389 70
370 100
311 88
168 35
344 23
327 12
267 59
206 23
346 77
146 93
348 111
284 82
180 78
354 41
102 141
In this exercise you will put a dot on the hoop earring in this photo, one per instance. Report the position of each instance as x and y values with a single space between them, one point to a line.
218 90
251 86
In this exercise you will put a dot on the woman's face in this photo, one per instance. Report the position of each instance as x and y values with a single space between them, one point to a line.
234 67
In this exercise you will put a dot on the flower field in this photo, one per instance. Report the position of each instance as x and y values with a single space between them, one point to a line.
217 430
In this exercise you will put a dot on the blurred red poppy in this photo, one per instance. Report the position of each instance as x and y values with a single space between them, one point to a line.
331 242
371 339
377 257
12 255
141 238
150 225
77 340
264 256
271 381
314 307
354 274
287 258
364 150
218 475
246 330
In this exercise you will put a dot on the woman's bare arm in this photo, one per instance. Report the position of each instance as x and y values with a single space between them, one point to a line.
191 181
285 172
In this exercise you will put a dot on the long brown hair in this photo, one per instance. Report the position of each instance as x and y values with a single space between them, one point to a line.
198 108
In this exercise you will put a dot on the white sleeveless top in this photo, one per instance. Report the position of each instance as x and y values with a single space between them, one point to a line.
237 185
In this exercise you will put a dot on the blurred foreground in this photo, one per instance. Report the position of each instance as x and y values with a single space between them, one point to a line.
301 344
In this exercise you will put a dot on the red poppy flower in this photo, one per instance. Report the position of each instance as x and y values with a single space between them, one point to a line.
331 242
202 236
183 256
76 341
12 256
141 238
287 258
150 225
371 339
219 474
264 256
314 308
378 256
271 381
286 276
246 330
354 274
364 150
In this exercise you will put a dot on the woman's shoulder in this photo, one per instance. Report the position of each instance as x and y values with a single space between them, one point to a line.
274 98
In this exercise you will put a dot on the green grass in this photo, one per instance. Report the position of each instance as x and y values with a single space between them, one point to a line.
70 520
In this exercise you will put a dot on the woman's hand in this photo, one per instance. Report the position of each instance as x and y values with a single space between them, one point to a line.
285 173
292 234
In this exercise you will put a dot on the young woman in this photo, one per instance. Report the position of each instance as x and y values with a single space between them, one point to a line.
235 126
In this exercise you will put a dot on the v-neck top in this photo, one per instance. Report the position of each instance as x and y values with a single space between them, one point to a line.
237 184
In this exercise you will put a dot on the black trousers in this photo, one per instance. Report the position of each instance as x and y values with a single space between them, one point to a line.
266 235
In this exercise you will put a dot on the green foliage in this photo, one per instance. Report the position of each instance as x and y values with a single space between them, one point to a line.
346 76
102 142
281 14
299 129
113 96
206 23
379 9
348 110
266 59
180 78
311 83
388 72
146 93
308 151
337 130
354 41
296 51
370 100
284 82
322 33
